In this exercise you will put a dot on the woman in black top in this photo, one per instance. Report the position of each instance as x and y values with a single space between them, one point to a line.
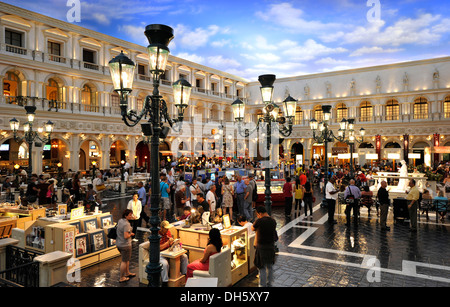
308 199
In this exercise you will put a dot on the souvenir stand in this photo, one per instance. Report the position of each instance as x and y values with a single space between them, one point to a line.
14 216
84 236
194 238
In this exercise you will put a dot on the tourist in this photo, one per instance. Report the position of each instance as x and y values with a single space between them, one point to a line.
166 242
211 198
308 199
99 187
352 195
412 197
426 202
123 244
135 206
248 200
367 198
242 220
299 193
227 198
383 199
194 190
441 211
239 188
265 238
331 196
165 200
288 199
214 246
181 200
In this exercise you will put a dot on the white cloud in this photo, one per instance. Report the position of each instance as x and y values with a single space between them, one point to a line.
374 49
136 33
220 62
191 57
221 43
425 29
330 61
194 39
310 50
285 15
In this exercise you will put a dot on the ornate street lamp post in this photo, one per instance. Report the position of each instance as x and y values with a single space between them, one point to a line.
155 108
352 138
269 118
326 135
30 136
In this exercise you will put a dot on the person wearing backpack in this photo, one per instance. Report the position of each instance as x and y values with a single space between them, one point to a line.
352 194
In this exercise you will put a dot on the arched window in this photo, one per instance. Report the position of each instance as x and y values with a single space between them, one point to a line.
341 112
420 108
447 107
366 111
54 90
11 84
88 99
392 110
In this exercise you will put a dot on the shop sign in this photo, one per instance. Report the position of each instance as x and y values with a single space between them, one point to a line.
442 149
338 150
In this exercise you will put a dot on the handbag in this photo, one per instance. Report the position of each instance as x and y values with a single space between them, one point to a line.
350 199
100 187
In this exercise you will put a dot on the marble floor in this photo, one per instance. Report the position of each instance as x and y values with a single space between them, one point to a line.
313 253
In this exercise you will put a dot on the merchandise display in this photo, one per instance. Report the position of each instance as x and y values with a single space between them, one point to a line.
195 239
276 187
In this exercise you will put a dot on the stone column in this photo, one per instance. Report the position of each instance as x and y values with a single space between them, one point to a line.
53 268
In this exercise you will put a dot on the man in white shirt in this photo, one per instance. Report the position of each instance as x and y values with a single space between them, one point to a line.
194 189
211 199
331 194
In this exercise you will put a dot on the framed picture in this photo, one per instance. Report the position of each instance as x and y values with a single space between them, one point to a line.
81 244
90 224
76 213
106 221
97 240
226 221
62 209
77 227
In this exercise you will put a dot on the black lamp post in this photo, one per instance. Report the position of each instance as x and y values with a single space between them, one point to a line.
155 108
351 141
325 136
30 136
270 117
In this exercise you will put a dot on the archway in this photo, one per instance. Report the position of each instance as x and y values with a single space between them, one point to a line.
423 149
142 157
54 152
117 153
92 154
297 153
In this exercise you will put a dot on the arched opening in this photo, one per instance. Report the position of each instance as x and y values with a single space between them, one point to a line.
142 158
117 153
297 153
89 155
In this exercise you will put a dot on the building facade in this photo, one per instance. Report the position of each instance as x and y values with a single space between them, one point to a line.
62 69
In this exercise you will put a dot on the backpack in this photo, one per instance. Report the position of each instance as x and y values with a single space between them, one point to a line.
112 233
350 199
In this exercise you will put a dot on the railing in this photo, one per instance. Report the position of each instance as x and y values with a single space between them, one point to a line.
21 270
144 78
56 58
90 66
16 49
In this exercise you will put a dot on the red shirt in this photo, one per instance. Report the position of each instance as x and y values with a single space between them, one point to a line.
303 179
164 238
287 189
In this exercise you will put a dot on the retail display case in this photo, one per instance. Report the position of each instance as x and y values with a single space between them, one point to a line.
276 187
195 239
